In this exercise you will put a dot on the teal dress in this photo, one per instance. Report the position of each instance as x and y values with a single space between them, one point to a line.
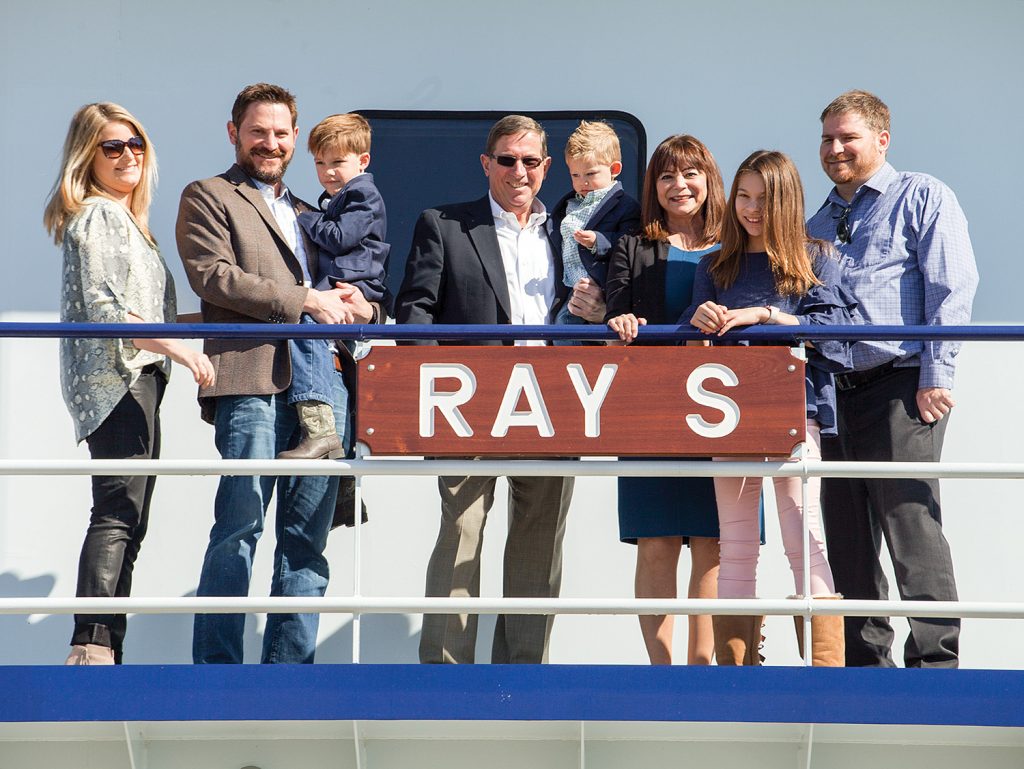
670 507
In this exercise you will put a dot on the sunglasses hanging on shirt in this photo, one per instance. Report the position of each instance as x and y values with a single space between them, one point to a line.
843 231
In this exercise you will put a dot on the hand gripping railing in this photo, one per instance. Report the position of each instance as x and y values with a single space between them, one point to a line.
360 468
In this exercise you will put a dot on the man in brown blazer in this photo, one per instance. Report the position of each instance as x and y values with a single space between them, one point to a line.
249 261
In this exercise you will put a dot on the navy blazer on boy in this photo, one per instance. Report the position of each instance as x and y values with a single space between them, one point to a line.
618 215
350 231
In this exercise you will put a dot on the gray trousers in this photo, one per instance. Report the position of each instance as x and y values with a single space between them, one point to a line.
532 567
878 421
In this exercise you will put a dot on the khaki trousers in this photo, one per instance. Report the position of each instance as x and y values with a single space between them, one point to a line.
532 565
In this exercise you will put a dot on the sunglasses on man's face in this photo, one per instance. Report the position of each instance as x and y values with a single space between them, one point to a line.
114 148
509 161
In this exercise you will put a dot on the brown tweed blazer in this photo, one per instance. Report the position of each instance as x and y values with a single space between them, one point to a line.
243 270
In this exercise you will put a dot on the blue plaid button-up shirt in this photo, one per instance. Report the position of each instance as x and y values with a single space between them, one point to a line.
909 262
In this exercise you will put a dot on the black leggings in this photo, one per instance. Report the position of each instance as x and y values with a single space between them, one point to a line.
120 511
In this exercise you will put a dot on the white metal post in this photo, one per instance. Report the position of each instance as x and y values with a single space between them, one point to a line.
357 554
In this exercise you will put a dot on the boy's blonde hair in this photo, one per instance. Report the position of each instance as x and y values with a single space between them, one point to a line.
345 133
596 139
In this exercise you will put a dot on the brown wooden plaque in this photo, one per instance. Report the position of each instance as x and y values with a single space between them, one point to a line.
581 401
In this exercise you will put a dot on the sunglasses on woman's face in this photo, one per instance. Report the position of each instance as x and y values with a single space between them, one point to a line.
114 148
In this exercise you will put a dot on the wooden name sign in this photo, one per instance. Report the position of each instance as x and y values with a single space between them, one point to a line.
581 401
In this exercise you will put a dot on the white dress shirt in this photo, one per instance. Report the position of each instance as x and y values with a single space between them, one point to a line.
283 210
529 266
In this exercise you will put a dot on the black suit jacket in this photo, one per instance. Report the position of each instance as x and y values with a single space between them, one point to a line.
454 273
636 281
617 215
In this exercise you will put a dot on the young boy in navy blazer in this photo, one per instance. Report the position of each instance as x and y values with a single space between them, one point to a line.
349 229
588 221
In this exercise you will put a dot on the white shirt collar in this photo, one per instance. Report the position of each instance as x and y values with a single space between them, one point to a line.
267 191
538 213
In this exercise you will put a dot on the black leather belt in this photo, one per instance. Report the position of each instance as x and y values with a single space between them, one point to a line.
857 379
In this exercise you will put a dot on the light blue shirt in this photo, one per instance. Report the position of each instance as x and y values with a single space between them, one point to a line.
577 214
909 262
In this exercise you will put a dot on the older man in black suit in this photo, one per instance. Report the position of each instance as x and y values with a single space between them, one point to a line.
491 261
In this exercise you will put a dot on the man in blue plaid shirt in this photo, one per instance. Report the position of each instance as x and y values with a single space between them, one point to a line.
907 258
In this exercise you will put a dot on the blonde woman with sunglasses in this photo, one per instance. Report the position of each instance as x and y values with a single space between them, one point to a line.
98 212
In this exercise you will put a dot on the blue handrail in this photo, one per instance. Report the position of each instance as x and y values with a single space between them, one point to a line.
413 332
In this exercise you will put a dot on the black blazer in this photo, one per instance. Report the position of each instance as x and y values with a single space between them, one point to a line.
618 215
454 273
636 280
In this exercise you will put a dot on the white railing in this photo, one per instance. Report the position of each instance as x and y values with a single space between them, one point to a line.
357 604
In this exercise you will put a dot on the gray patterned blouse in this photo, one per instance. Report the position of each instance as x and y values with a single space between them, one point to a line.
110 270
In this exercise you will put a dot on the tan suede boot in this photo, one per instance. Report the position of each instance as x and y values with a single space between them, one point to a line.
738 639
319 435
90 654
828 638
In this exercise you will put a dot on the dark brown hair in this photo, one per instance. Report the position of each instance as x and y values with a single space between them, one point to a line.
262 93
681 152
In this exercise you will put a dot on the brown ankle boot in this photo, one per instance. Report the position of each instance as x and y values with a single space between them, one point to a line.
345 504
319 436
738 639
828 639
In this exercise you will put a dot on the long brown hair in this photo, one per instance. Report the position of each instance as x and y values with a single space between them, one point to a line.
785 232
681 152
75 182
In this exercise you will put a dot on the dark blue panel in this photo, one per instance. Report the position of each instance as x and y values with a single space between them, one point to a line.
422 159
505 692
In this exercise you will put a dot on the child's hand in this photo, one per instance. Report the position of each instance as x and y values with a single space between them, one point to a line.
586 238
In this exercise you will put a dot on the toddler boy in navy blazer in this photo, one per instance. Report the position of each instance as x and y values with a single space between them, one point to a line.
349 230
588 221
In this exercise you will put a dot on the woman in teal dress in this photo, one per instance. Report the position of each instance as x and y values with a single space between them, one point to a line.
650 280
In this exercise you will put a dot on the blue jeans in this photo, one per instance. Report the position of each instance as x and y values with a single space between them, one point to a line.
258 427
566 318
312 368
